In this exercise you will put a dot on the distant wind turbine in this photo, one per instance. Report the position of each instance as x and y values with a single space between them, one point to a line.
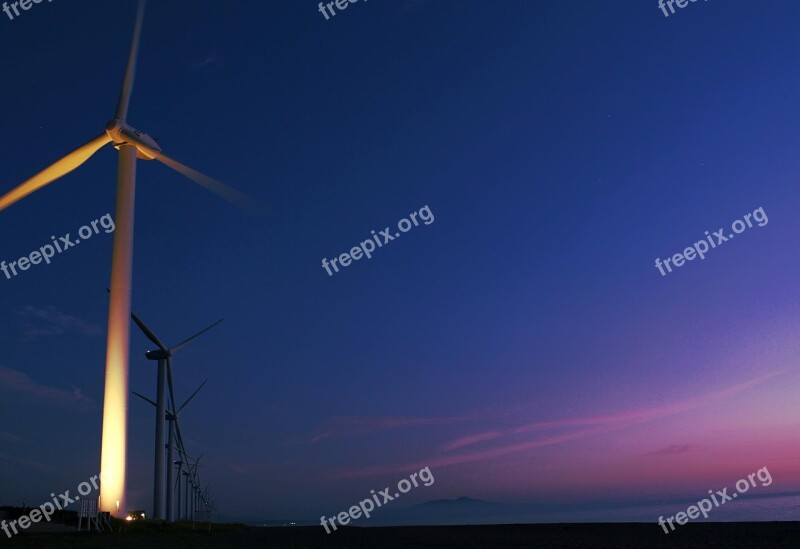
164 357
175 440
131 144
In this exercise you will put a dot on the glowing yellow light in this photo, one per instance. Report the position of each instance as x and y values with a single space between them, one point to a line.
115 414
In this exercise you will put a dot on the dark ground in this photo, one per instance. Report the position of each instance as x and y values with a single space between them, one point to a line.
645 536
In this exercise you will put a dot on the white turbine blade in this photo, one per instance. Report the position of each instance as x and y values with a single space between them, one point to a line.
146 331
181 447
195 336
145 398
221 189
130 72
61 168
177 479
191 397
194 470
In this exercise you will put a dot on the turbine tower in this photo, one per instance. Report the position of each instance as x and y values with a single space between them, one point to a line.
174 438
164 357
178 465
132 144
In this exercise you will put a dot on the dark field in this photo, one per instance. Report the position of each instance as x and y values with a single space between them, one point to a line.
645 536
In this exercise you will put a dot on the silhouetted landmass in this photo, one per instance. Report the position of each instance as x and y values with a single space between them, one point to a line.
773 535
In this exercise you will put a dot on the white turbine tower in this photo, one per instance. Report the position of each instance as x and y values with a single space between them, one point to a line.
131 144
164 357
173 439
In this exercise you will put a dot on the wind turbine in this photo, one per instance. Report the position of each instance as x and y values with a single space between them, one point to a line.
195 484
164 357
174 438
132 144
186 492
178 465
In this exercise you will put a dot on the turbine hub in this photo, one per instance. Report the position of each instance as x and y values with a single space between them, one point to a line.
121 133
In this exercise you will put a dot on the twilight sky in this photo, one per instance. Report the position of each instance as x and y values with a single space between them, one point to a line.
523 345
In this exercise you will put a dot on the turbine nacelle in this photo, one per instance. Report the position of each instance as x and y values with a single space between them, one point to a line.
121 133
157 354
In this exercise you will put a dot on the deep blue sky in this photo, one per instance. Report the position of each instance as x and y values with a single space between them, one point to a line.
561 146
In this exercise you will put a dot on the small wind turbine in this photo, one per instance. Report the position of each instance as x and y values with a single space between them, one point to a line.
179 466
186 492
132 144
174 438
195 484
164 357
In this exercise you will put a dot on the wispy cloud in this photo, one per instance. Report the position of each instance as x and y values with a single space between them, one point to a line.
632 417
21 383
357 426
11 438
529 436
672 450
50 321
245 468
469 440
207 64
29 463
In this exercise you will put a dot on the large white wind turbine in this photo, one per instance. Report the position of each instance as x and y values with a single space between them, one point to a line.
131 144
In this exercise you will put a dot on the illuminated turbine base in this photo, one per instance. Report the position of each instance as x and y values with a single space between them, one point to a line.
115 403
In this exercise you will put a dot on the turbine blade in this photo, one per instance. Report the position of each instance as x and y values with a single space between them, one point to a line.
57 170
191 397
228 193
145 398
171 390
177 478
181 448
130 72
195 336
147 331
178 435
197 463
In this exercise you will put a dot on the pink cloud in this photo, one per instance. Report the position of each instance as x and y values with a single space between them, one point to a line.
672 450
594 425
646 414
469 440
